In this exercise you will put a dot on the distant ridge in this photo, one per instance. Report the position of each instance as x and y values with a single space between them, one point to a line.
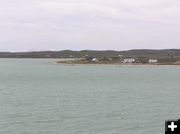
146 53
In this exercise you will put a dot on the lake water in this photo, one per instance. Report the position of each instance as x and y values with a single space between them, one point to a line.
39 97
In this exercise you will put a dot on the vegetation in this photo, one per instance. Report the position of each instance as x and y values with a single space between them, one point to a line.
168 56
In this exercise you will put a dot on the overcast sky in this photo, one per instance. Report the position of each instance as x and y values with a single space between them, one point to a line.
27 25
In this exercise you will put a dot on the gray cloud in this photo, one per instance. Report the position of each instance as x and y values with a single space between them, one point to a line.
89 24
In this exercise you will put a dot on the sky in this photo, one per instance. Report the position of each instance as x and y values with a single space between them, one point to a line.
33 25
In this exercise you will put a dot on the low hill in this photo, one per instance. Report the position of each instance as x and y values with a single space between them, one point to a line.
167 53
166 56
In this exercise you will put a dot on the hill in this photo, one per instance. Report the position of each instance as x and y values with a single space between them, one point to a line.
166 56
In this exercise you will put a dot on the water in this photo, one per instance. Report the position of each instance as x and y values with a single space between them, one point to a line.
39 97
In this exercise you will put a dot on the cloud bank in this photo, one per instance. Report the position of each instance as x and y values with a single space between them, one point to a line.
89 24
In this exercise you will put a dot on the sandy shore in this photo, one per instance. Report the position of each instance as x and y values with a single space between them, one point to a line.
119 65
116 65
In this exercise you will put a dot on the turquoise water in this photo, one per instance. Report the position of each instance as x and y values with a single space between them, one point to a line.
39 97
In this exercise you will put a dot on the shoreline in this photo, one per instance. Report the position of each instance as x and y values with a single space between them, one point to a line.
118 65
65 62
78 62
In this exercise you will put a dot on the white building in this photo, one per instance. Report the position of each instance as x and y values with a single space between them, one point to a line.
153 61
120 56
94 60
128 60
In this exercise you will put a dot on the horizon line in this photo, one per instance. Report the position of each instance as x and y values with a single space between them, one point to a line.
26 51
